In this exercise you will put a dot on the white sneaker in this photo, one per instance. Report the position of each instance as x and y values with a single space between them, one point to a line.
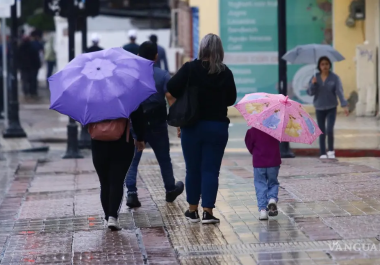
323 157
331 154
263 215
113 224
272 206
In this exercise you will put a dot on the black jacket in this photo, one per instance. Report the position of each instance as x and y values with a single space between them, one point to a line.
216 91
28 57
94 48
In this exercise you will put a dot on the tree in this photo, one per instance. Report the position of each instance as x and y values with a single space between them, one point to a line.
32 13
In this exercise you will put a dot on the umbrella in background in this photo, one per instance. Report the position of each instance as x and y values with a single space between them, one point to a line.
104 85
280 117
310 54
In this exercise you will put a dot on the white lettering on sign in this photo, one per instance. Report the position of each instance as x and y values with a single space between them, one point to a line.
244 81
242 30
240 13
241 71
246 21
251 58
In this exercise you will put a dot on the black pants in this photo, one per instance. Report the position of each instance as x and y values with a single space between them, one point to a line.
329 117
29 81
112 161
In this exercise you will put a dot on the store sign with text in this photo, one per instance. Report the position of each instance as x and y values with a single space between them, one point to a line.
248 29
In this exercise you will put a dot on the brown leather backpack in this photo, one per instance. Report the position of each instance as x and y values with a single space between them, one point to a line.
110 130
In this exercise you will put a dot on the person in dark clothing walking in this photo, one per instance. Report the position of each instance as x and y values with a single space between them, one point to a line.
203 144
29 63
132 47
111 161
161 54
95 44
156 134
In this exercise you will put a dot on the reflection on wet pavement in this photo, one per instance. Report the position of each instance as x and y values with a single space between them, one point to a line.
50 214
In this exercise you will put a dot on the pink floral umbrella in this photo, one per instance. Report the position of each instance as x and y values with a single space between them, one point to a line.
280 117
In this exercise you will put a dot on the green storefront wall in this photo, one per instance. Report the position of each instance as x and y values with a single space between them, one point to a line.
248 29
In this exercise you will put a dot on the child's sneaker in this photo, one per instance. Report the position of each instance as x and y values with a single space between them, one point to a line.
323 157
263 215
272 206
331 154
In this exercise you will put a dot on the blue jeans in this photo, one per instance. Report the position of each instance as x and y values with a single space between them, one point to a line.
323 117
158 139
266 185
203 147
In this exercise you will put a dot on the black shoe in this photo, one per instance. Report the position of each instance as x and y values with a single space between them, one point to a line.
171 196
133 200
192 216
209 219
272 207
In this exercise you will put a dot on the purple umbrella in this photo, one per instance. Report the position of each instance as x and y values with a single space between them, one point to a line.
104 85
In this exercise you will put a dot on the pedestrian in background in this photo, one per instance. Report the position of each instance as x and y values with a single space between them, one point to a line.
95 39
266 158
203 144
29 63
161 54
156 134
50 57
132 46
326 86
38 45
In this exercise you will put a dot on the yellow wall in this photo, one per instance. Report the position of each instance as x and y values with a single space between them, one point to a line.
208 16
345 41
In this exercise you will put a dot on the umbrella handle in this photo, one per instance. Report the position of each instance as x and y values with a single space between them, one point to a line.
285 101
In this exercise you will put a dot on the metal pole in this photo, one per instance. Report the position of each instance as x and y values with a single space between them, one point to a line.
286 152
5 61
72 150
85 138
13 129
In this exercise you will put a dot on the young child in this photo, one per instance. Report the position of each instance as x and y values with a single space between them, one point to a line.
266 157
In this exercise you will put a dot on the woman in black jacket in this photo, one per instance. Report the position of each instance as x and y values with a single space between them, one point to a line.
204 143
112 160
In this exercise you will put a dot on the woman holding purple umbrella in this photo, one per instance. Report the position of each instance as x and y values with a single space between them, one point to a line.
102 89
112 160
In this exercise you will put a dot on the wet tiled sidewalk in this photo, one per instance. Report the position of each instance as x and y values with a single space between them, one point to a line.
329 214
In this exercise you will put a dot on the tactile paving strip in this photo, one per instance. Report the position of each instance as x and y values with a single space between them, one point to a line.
104 247
129 221
275 247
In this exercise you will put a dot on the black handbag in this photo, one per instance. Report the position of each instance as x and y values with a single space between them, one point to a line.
185 110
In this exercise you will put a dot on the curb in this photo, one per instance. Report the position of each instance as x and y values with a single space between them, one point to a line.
314 152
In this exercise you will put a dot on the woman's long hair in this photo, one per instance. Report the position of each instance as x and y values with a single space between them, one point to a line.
211 50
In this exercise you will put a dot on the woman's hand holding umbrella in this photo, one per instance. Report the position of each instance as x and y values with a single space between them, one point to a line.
346 110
